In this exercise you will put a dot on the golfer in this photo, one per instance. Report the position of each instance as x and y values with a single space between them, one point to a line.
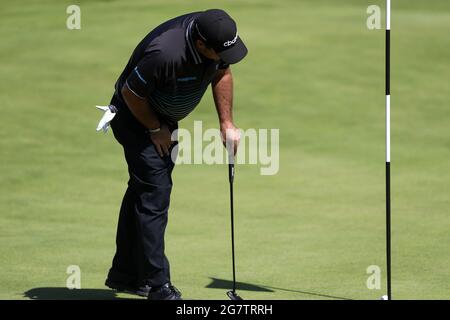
164 80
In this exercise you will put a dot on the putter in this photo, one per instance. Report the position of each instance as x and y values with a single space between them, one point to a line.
232 293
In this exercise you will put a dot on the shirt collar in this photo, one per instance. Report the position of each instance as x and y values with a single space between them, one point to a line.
191 45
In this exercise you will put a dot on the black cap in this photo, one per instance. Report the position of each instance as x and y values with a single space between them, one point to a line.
218 30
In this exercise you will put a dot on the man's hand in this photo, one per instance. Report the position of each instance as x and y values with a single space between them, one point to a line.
230 136
162 140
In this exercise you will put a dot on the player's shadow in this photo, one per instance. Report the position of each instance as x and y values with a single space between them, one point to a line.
227 284
56 293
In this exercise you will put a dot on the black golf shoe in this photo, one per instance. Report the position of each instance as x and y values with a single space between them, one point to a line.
165 292
141 290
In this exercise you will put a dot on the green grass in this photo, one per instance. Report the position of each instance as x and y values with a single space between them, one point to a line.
314 71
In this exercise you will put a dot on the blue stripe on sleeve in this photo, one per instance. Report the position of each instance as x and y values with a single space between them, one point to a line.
140 77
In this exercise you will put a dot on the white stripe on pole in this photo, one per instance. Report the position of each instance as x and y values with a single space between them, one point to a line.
388 97
388 128
388 15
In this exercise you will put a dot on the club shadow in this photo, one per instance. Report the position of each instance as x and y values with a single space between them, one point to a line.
227 284
59 293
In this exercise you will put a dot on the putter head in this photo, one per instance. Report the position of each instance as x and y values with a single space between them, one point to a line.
233 295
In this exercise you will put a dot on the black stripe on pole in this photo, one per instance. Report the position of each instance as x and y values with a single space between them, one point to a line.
388 62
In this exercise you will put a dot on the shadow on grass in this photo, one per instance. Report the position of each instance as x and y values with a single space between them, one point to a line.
55 293
227 284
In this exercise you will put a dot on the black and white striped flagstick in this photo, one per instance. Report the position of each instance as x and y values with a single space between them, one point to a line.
388 147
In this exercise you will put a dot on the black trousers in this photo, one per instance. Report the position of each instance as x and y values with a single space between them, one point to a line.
140 257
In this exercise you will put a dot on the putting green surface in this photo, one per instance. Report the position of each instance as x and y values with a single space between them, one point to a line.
310 232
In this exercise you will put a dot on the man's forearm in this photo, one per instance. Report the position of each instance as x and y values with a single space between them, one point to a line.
222 89
223 97
140 109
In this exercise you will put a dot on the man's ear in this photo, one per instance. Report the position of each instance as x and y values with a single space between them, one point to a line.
200 43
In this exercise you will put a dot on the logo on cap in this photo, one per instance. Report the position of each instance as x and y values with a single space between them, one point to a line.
231 42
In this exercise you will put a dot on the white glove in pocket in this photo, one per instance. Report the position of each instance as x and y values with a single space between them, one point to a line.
110 113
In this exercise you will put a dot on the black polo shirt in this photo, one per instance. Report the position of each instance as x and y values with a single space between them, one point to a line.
166 69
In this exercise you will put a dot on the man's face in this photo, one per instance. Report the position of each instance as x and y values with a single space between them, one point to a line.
207 52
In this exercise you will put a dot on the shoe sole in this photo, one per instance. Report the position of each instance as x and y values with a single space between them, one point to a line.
126 289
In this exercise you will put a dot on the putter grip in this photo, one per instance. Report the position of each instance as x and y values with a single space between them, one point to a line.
231 172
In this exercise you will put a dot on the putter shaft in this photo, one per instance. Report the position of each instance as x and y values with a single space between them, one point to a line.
231 179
